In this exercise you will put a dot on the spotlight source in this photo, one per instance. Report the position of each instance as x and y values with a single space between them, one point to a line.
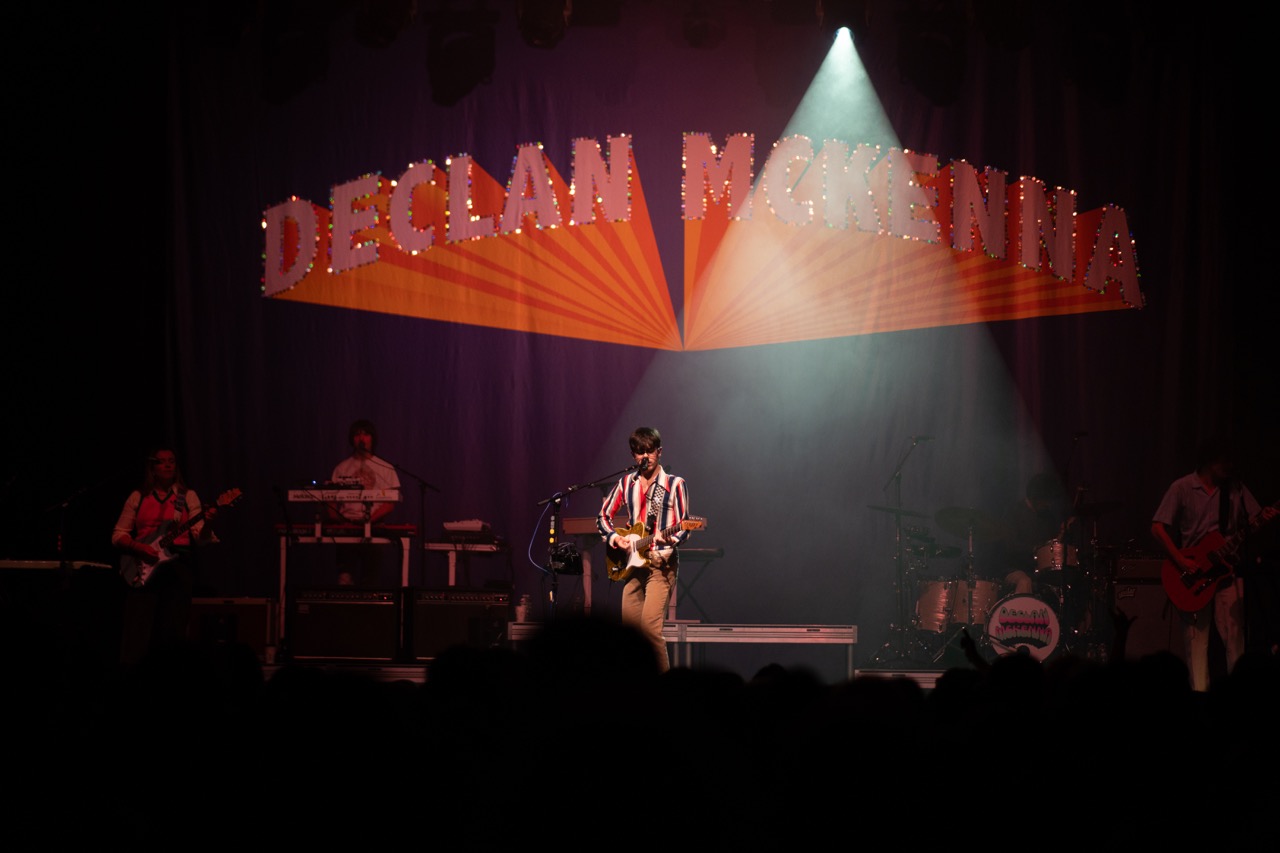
853 15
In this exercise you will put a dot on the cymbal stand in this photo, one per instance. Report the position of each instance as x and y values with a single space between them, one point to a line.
1073 610
895 649
1095 591
970 578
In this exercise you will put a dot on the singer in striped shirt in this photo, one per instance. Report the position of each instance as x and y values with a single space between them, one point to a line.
654 504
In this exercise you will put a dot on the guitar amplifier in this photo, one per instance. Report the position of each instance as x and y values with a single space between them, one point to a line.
1139 569
226 621
344 623
1155 624
439 619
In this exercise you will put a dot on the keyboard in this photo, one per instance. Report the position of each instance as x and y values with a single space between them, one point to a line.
321 494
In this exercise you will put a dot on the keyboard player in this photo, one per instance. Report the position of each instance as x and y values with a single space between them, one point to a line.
362 564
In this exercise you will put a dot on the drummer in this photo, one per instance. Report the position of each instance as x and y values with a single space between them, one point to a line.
1040 518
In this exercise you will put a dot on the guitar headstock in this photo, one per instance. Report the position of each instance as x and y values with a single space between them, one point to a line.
693 522
229 497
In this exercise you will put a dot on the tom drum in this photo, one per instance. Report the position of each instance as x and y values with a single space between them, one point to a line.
1055 555
933 605
983 597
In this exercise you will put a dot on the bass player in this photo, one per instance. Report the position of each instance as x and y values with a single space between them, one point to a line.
1191 524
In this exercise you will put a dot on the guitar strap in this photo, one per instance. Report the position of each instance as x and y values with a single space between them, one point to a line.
179 507
1224 508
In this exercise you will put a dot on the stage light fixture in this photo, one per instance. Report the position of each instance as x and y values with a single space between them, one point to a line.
295 50
461 52
933 47
1101 41
379 22
543 23
596 13
795 12
1007 24
853 15
702 27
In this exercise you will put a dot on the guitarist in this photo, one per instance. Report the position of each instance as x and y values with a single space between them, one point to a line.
650 496
1201 506
157 614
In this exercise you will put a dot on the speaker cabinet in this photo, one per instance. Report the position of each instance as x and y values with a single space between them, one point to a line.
451 617
223 621
1155 626
1139 569
345 624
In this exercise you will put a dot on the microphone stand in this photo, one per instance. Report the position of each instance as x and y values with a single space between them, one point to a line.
896 640
64 568
557 500
423 485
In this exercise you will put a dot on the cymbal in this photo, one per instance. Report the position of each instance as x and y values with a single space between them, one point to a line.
962 520
1095 509
897 511
931 550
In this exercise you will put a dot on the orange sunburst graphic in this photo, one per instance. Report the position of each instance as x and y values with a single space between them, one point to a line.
578 281
753 282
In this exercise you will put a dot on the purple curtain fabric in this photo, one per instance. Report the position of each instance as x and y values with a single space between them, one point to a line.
150 325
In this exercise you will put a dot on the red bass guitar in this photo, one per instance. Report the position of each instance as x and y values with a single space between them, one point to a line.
1215 558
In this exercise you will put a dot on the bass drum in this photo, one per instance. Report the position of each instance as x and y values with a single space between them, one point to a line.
1024 623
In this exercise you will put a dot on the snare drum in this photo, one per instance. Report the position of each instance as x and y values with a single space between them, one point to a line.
1023 622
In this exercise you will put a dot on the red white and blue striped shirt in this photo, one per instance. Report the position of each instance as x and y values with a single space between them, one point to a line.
665 505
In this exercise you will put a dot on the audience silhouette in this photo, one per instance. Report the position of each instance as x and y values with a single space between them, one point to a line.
196 745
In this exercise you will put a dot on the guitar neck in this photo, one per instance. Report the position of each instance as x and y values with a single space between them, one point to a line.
648 540
1258 521
175 532
1252 527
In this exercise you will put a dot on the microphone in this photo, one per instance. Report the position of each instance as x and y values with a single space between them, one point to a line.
153 459
922 438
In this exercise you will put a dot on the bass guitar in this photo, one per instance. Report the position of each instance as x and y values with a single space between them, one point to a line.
621 563
1215 557
136 570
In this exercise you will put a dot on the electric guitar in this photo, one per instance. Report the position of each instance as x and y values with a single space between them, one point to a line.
136 570
621 563
1215 558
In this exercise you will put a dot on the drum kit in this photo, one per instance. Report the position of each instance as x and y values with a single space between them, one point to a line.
1059 615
